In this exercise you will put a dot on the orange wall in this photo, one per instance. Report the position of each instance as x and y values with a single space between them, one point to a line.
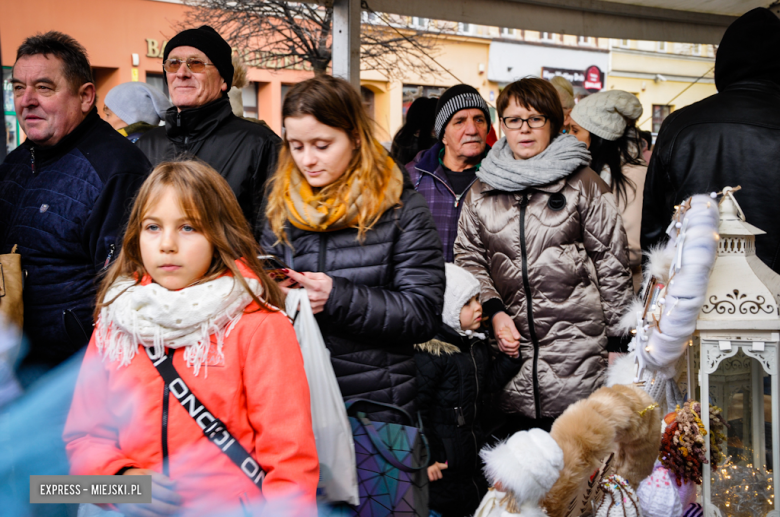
113 30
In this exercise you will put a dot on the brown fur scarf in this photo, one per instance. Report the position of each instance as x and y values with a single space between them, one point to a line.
590 430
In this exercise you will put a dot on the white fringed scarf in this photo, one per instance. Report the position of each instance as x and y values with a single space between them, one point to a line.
153 316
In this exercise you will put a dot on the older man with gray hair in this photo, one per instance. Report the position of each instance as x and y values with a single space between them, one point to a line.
445 172
201 123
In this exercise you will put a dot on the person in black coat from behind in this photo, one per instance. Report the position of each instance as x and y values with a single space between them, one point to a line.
417 132
453 371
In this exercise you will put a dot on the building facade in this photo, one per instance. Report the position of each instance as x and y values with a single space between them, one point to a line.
125 40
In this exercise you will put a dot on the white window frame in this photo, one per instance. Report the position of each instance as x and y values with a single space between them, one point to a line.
547 36
662 46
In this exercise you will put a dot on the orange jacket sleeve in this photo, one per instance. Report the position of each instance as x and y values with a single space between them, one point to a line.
279 410
91 436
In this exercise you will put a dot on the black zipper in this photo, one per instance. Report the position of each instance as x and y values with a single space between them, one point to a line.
166 398
529 306
111 250
32 159
456 196
476 398
323 251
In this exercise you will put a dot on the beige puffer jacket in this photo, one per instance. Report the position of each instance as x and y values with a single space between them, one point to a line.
576 272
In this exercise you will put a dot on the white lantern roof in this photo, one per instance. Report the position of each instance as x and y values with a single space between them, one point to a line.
743 292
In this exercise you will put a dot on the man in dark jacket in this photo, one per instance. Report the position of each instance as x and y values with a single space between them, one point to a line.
201 123
64 195
445 172
731 138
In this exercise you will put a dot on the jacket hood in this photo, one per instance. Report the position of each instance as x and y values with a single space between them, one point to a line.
749 50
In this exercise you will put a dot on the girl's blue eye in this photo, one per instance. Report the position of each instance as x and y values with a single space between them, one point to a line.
188 228
152 227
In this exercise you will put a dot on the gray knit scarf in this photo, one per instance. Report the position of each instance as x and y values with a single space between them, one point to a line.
502 171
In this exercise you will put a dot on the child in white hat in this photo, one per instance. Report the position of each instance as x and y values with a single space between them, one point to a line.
454 370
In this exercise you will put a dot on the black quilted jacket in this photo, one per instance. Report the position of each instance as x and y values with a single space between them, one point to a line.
453 372
387 295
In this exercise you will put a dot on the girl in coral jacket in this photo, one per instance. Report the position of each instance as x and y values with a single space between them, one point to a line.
188 284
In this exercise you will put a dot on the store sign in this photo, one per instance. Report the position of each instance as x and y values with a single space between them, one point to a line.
154 48
575 77
260 59
594 79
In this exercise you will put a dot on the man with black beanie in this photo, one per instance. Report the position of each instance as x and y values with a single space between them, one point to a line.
199 71
731 138
445 172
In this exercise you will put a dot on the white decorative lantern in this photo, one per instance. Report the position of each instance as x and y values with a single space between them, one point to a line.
738 331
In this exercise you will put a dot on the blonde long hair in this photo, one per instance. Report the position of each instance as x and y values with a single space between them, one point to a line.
335 103
208 200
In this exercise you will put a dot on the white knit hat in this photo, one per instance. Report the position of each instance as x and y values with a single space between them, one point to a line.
605 113
137 102
462 286
528 464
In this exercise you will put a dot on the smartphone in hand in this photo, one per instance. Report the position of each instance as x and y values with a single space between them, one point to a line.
274 266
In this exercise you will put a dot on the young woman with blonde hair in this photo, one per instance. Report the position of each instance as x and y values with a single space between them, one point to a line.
360 239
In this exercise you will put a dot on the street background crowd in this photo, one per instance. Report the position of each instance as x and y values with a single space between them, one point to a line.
476 281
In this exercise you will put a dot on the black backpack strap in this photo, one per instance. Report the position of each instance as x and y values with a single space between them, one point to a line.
211 426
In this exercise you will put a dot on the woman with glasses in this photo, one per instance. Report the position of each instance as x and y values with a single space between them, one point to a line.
542 233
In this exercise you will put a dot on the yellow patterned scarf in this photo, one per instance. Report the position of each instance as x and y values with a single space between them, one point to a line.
309 210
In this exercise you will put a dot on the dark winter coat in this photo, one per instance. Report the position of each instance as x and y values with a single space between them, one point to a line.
65 206
387 295
731 138
243 152
430 180
453 372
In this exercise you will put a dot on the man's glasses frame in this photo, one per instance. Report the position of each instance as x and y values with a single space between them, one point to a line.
195 65
532 122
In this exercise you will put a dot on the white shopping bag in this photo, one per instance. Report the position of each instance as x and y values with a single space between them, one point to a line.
335 448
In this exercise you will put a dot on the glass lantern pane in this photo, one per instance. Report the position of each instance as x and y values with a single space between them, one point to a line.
742 477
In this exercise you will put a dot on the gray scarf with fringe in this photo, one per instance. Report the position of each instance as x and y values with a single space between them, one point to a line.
502 171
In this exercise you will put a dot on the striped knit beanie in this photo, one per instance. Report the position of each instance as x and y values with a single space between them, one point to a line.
454 99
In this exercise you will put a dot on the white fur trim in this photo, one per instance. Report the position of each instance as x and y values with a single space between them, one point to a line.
527 464
622 371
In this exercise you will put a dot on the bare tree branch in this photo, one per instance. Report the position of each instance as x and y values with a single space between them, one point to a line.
277 34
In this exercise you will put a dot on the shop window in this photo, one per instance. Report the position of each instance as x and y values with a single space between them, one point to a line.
13 133
413 91
249 99
660 112
158 81
624 43
548 36
467 28
368 100
587 40
661 46
420 23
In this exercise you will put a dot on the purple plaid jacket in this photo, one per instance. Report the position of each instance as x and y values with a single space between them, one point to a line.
431 181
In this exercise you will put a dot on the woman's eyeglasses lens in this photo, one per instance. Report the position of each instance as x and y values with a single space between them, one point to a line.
517 122
173 65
